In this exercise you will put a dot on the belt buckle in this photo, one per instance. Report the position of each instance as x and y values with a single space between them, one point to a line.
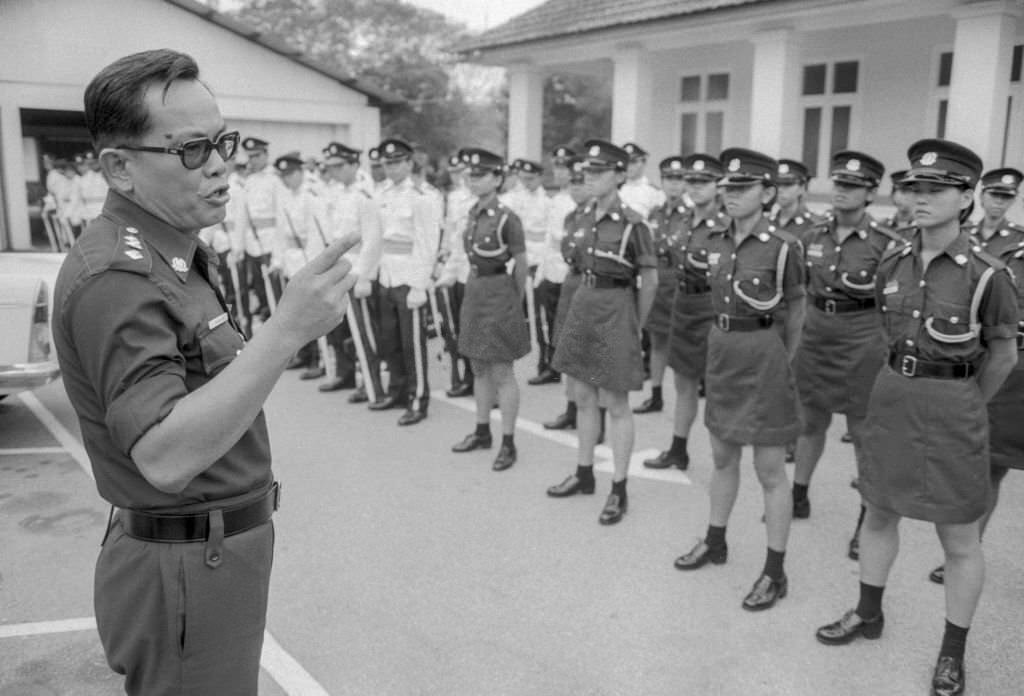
830 306
722 320
908 366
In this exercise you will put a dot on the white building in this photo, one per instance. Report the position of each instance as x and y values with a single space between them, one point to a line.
50 50
792 78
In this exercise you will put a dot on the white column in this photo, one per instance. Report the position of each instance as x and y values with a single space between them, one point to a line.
982 51
631 95
525 111
773 87
13 178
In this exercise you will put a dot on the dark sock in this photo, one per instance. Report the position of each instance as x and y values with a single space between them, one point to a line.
619 488
799 492
585 473
678 446
870 604
570 409
860 519
508 441
715 537
773 564
656 393
483 429
954 641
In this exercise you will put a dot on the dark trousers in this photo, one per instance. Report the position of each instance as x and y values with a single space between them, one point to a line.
174 625
545 307
250 277
449 302
403 346
364 311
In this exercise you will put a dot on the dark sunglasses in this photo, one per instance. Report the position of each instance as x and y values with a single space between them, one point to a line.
195 153
672 177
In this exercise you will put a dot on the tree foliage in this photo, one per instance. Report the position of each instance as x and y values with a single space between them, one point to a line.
576 108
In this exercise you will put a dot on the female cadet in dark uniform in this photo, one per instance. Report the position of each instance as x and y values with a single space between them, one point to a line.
692 315
599 346
949 311
494 333
1004 240
664 222
570 252
757 292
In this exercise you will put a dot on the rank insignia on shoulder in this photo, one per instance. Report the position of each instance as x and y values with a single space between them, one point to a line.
131 230
133 242
136 255
179 265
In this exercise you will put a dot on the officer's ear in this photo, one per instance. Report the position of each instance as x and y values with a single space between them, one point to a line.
869 197
114 164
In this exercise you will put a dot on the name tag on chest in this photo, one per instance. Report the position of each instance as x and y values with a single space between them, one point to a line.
218 320
891 287
816 250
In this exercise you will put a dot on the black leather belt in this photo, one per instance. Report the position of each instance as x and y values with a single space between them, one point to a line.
195 527
664 262
727 322
694 288
592 280
487 270
830 306
912 366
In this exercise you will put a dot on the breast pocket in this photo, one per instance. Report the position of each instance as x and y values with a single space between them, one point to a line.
218 346
950 323
858 280
757 288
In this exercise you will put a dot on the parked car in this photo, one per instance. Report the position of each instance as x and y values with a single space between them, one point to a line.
27 360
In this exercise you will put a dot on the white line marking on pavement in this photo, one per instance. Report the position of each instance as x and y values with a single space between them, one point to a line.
282 667
602 453
14 451
40 628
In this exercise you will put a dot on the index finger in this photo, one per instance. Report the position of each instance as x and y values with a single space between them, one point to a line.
328 258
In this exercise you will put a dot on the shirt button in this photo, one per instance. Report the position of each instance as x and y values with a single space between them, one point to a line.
214 557
828 289
838 249
832 268
909 342
728 276
726 299
733 256
921 284
915 314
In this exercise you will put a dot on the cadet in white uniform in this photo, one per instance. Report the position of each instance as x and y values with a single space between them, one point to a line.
637 192
257 233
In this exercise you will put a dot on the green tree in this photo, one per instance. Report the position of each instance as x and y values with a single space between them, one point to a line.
576 108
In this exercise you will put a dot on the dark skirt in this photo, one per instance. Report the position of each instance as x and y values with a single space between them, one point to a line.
1005 421
751 392
600 342
837 361
492 324
660 317
688 337
569 286
926 448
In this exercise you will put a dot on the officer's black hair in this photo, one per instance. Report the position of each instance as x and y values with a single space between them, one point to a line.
115 109
965 213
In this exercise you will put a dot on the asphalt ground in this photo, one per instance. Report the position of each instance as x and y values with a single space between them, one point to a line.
404 569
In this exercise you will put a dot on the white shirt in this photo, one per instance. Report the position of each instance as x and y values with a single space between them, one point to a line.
533 208
88 193
641 196
553 268
460 200
258 221
410 231
351 210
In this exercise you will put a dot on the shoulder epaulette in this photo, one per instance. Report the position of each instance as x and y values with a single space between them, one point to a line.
886 231
899 248
987 258
632 216
116 248
782 234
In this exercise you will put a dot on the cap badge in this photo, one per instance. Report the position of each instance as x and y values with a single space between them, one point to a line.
389 148
783 169
178 264
676 164
474 158
595 150
929 158
1008 179
698 165
734 164
853 165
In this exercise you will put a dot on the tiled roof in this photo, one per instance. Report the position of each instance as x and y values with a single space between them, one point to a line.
566 17
377 95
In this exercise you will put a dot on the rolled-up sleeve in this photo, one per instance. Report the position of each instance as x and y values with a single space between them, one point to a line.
999 313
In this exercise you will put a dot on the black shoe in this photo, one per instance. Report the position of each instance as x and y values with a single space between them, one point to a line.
847 438
545 376
651 405
614 508
700 555
849 627
667 460
571 486
765 593
473 441
385 402
563 421
949 678
412 416
313 373
358 396
801 509
938 576
853 550
461 389
506 458
337 383
295 363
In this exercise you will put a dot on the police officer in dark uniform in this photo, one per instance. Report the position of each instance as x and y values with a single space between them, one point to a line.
949 310
494 333
599 345
791 213
691 312
149 351
757 292
903 218
1003 239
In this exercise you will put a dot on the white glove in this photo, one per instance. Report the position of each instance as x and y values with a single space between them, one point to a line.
362 289
416 298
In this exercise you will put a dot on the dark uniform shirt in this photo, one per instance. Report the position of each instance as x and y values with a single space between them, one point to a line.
929 314
571 238
845 270
1007 245
137 327
689 250
665 222
618 245
800 224
494 235
746 279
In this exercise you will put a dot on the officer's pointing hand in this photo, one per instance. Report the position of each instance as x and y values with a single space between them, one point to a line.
315 299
